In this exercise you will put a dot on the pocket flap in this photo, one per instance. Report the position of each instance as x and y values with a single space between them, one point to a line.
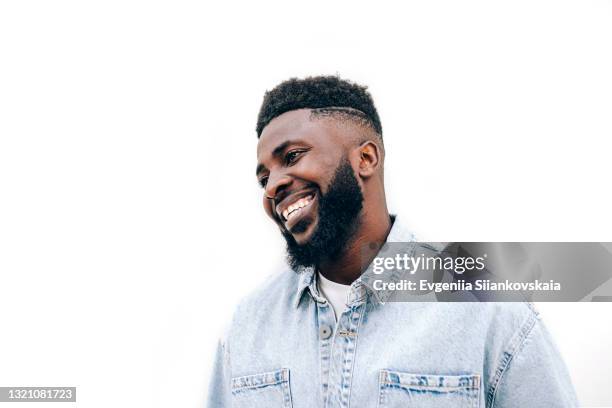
424 381
260 380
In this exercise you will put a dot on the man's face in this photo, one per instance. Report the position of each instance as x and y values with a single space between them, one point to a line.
310 188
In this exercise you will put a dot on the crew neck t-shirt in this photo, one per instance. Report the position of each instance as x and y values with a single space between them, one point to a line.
335 293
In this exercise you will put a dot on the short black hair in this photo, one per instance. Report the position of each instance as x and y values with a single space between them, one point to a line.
319 93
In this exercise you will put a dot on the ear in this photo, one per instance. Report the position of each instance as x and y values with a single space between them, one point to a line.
370 158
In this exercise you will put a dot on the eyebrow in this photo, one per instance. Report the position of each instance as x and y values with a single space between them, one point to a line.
278 150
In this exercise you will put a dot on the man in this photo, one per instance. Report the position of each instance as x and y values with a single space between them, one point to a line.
317 336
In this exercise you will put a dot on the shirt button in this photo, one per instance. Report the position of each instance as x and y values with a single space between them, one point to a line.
325 331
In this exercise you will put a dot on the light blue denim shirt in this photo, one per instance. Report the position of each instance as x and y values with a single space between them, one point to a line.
284 348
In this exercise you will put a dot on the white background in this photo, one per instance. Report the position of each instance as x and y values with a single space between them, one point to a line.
130 218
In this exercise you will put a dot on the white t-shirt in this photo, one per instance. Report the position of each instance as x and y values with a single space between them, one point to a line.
335 293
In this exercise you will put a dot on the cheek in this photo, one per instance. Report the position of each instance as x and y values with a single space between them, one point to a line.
317 168
321 172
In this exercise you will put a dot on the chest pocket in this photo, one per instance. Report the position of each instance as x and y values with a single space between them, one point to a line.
399 389
270 390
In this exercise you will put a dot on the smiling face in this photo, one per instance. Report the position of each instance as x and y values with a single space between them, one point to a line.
320 162
322 175
297 160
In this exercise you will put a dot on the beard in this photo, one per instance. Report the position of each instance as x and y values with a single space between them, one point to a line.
338 219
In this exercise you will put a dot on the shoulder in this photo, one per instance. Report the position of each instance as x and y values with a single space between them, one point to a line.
276 290
502 325
513 315
509 315
514 320
505 317
271 301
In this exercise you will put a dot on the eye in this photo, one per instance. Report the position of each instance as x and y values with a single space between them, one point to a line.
263 181
292 156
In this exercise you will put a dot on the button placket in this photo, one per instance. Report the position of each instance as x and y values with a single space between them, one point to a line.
326 320
343 349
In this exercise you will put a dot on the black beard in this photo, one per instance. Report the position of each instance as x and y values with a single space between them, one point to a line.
338 217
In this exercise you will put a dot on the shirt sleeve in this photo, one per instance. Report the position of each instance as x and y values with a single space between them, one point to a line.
534 376
219 388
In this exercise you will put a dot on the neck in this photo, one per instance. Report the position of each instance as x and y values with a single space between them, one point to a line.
371 234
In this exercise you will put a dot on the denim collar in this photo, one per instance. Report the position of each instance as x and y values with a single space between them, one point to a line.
361 288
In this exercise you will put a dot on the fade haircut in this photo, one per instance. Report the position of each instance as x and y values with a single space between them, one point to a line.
325 96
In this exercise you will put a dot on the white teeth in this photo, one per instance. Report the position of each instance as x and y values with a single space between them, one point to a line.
293 214
295 208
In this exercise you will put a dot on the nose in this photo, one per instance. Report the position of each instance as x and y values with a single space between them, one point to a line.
276 185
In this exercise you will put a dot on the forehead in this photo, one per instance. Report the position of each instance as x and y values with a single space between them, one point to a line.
294 126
